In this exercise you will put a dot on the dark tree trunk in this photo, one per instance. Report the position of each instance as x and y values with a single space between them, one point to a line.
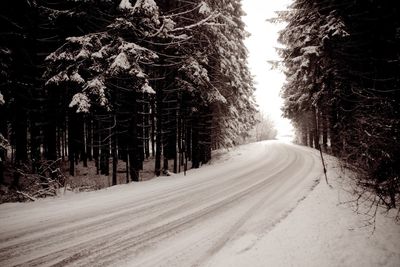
114 138
159 134
304 135
334 133
175 143
310 137
1 167
147 126
188 140
105 147
315 122
127 168
71 142
81 141
3 132
89 138
51 126
135 148
35 143
134 173
206 134
21 132
114 151
324 129
153 125
180 152
64 139
96 144
195 144
139 117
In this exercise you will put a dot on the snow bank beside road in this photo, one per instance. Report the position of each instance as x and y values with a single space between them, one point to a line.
322 230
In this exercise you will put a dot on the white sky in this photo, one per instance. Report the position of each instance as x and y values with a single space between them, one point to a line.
261 45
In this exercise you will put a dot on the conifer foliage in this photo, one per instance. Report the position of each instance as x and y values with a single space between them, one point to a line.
120 81
342 92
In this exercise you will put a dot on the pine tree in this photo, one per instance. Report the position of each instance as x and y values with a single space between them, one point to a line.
342 82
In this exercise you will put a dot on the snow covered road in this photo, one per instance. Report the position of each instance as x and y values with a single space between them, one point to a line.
169 221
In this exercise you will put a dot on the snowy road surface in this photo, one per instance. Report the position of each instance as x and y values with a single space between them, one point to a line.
169 221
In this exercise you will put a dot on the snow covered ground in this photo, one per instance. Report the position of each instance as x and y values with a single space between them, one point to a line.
325 229
257 205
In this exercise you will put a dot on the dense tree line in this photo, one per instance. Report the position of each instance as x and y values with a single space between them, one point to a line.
343 67
111 81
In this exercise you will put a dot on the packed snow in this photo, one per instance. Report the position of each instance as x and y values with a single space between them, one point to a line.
263 204
325 229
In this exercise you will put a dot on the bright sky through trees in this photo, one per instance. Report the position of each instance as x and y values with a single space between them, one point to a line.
261 45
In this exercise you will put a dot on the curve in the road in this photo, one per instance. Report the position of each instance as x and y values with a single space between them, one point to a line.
187 222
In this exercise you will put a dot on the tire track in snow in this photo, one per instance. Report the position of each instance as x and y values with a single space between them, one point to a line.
136 228
66 235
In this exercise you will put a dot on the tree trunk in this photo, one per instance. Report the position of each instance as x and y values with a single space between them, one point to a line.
135 149
114 151
21 132
324 129
159 134
96 144
127 168
334 133
104 149
3 132
180 153
195 144
315 122
147 126
153 125
310 132
2 163
71 142
89 138
51 126
175 143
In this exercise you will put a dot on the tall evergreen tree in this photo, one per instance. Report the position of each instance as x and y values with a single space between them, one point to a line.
105 81
343 84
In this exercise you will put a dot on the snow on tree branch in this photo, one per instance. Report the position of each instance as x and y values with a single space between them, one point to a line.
4 144
204 9
82 102
119 64
2 102
146 88
125 4
212 16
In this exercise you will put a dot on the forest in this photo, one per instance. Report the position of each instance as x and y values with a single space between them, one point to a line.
342 62
107 85
97 84
132 133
